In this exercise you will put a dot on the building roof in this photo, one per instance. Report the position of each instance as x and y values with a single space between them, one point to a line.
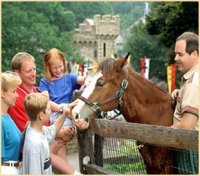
119 40
88 21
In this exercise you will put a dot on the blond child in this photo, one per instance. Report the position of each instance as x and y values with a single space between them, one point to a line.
36 152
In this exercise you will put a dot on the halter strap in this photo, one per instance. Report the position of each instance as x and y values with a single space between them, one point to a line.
122 88
95 106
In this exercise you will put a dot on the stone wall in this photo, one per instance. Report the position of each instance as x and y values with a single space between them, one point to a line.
95 38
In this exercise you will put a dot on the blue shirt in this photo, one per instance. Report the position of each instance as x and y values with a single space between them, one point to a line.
11 139
60 90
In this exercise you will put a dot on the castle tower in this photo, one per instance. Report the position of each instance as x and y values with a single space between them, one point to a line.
95 37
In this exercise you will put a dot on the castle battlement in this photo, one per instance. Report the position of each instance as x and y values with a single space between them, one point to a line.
98 19
85 28
96 36
101 25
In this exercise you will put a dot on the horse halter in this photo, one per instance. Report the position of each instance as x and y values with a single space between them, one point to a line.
95 106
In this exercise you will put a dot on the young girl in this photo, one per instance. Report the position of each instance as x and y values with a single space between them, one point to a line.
11 136
60 86
57 82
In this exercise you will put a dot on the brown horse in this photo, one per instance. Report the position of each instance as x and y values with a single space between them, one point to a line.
139 101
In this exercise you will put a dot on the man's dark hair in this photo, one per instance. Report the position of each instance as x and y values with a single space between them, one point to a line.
192 41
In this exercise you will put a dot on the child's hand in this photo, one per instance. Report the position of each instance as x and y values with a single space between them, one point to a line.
81 124
85 81
45 93
72 104
175 93
67 110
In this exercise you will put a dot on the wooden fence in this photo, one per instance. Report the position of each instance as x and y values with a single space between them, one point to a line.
152 134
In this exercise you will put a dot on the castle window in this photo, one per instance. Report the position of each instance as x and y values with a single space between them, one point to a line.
95 53
104 49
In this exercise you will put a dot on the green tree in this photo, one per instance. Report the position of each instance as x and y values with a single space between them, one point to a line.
57 15
35 27
167 20
156 38
25 27
129 12
141 44
84 10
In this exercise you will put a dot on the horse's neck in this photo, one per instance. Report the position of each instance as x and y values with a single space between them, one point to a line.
146 103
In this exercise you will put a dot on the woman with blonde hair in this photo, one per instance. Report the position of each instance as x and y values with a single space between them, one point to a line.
11 137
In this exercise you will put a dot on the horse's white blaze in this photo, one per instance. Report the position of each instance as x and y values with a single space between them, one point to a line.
86 93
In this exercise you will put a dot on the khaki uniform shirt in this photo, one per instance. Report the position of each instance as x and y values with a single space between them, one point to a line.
188 99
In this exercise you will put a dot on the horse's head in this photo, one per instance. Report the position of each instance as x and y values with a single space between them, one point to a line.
106 89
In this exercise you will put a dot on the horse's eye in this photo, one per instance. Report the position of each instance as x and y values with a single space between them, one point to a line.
100 83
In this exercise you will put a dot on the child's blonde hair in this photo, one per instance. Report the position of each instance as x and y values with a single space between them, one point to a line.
34 104
9 79
52 54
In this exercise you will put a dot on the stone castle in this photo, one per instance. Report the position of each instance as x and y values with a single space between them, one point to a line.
95 37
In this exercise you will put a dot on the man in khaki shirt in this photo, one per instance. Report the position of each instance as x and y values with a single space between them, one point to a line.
186 114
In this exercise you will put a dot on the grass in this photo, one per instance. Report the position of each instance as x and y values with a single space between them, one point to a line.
130 149
126 168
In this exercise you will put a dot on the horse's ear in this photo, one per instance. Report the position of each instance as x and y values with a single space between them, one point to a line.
126 57
121 62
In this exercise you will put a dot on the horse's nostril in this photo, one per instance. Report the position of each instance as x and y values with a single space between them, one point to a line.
87 120
76 116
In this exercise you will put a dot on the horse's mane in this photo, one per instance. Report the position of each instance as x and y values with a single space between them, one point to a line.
107 65
148 82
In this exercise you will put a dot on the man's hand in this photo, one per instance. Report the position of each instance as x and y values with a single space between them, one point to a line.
174 94
66 134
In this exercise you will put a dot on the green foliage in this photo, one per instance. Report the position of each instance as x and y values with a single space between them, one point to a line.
167 20
135 167
129 149
156 38
35 27
84 10
141 44
28 27
57 15
129 12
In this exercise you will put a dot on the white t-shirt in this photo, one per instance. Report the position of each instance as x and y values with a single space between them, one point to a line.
36 152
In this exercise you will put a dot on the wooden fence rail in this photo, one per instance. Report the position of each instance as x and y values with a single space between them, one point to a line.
152 134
